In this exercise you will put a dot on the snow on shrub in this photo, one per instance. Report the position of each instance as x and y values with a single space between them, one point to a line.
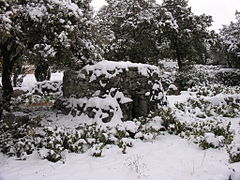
52 142
202 75
17 140
226 106
234 152
43 93
229 77
207 133
214 89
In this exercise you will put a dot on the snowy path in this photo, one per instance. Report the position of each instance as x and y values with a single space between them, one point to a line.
168 158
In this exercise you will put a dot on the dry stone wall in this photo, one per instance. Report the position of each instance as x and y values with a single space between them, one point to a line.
112 91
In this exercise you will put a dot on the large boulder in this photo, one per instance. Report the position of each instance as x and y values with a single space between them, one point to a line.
112 91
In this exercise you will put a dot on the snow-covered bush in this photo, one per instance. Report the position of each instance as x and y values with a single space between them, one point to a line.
43 93
234 152
17 140
47 88
52 142
168 73
190 78
208 133
226 106
214 89
91 137
167 79
97 149
172 90
229 77
202 76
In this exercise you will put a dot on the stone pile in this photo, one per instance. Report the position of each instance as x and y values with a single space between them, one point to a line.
109 90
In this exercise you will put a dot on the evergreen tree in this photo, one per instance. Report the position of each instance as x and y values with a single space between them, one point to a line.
48 32
60 34
130 29
188 37
217 50
12 45
231 37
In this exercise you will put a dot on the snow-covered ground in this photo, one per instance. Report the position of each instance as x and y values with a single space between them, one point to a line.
169 157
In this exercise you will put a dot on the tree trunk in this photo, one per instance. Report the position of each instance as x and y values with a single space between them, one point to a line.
7 83
17 71
11 52
7 88
178 56
179 63
42 72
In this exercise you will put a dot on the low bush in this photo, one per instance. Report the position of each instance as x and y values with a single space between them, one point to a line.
208 133
214 89
234 152
202 108
51 142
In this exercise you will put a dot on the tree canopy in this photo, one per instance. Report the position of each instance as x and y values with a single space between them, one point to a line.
231 38
45 33
143 31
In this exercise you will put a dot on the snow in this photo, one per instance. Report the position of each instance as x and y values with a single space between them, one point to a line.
29 80
36 13
173 87
111 69
169 157
123 99
178 99
57 76
104 104
130 126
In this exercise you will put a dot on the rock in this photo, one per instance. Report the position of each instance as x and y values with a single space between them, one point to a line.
127 89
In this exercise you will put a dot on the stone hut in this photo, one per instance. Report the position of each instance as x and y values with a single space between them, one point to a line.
112 91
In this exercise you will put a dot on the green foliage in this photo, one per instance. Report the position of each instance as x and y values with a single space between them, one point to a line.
229 78
17 140
168 118
51 143
208 133
190 78
214 90
231 41
187 38
234 152
202 108
218 54
96 150
128 31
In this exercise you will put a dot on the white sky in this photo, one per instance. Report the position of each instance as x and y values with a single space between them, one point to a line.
223 11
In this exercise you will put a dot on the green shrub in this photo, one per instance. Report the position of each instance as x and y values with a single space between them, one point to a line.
190 78
51 142
208 133
234 152
201 108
